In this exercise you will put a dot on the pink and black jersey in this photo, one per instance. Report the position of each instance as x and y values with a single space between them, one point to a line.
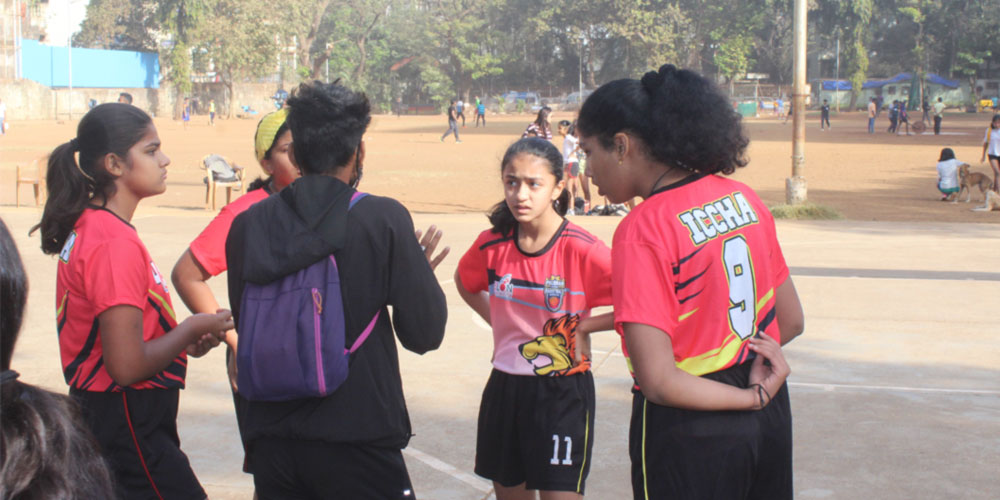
104 264
209 248
536 300
700 260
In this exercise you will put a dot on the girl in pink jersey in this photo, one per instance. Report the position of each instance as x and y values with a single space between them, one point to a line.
702 294
123 351
534 277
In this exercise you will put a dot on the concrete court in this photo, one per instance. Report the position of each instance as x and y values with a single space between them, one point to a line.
895 385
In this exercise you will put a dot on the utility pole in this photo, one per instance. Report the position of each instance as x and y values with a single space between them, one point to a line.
795 186
836 78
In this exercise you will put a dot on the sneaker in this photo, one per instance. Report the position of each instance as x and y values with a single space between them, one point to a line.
570 212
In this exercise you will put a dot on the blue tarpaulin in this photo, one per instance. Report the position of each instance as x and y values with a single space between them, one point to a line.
900 78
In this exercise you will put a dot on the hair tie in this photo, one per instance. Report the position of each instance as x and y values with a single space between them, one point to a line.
8 376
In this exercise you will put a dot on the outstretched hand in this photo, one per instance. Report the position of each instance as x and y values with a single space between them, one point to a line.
770 376
429 243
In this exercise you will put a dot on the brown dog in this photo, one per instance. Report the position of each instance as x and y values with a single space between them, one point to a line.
966 180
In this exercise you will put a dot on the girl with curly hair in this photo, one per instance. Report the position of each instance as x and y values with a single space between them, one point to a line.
702 295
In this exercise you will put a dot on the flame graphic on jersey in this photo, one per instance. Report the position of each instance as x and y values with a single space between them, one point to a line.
558 344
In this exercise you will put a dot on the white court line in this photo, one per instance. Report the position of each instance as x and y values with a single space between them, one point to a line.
831 387
445 282
480 485
891 388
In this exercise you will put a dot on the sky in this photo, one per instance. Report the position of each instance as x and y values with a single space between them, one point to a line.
62 18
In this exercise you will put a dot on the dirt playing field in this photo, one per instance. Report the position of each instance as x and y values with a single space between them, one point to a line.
880 177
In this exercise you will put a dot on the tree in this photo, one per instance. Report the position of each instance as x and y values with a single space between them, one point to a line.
238 38
181 19
118 24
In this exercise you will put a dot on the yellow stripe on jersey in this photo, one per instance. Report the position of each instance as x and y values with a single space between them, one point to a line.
165 304
764 300
687 315
586 439
645 475
62 304
714 360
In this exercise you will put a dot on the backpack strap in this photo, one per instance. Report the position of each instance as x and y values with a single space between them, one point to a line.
355 198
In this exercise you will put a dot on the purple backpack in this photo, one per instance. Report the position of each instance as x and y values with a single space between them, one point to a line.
292 342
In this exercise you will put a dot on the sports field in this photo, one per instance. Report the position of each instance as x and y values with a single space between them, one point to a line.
895 387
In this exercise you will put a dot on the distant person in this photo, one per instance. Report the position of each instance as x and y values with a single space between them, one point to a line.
460 111
824 115
452 123
938 115
347 444
893 117
926 108
3 117
872 114
904 117
991 148
571 163
541 126
399 106
125 98
48 452
880 101
186 112
481 113
211 112
779 107
124 355
947 169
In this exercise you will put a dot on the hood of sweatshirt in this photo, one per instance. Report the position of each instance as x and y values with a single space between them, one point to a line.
302 224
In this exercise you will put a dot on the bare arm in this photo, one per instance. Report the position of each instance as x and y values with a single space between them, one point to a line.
788 308
590 325
190 281
663 383
130 359
479 302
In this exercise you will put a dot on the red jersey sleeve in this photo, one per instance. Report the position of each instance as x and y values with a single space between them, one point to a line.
117 273
472 266
209 248
597 275
642 286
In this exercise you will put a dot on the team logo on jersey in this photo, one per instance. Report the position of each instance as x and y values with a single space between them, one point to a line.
557 344
157 278
504 288
718 217
68 247
555 290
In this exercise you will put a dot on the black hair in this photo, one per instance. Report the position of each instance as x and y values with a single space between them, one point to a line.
127 96
947 154
13 295
994 120
45 450
260 182
682 119
500 216
327 121
110 128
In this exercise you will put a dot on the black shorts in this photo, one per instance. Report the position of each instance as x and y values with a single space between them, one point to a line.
994 157
137 434
712 454
290 469
240 405
536 430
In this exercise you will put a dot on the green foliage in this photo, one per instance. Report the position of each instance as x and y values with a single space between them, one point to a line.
805 211
119 25
520 106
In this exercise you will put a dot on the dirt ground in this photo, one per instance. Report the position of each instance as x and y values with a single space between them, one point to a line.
880 177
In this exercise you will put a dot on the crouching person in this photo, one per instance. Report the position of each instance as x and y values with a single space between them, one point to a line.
312 271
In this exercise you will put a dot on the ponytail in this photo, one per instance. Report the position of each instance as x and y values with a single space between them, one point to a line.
111 128
500 216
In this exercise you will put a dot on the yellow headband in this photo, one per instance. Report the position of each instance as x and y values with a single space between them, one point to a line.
267 129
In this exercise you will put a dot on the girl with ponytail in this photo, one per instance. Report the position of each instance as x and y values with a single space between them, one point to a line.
123 351
702 295
535 276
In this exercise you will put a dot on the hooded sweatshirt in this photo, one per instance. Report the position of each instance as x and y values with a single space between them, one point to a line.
380 264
